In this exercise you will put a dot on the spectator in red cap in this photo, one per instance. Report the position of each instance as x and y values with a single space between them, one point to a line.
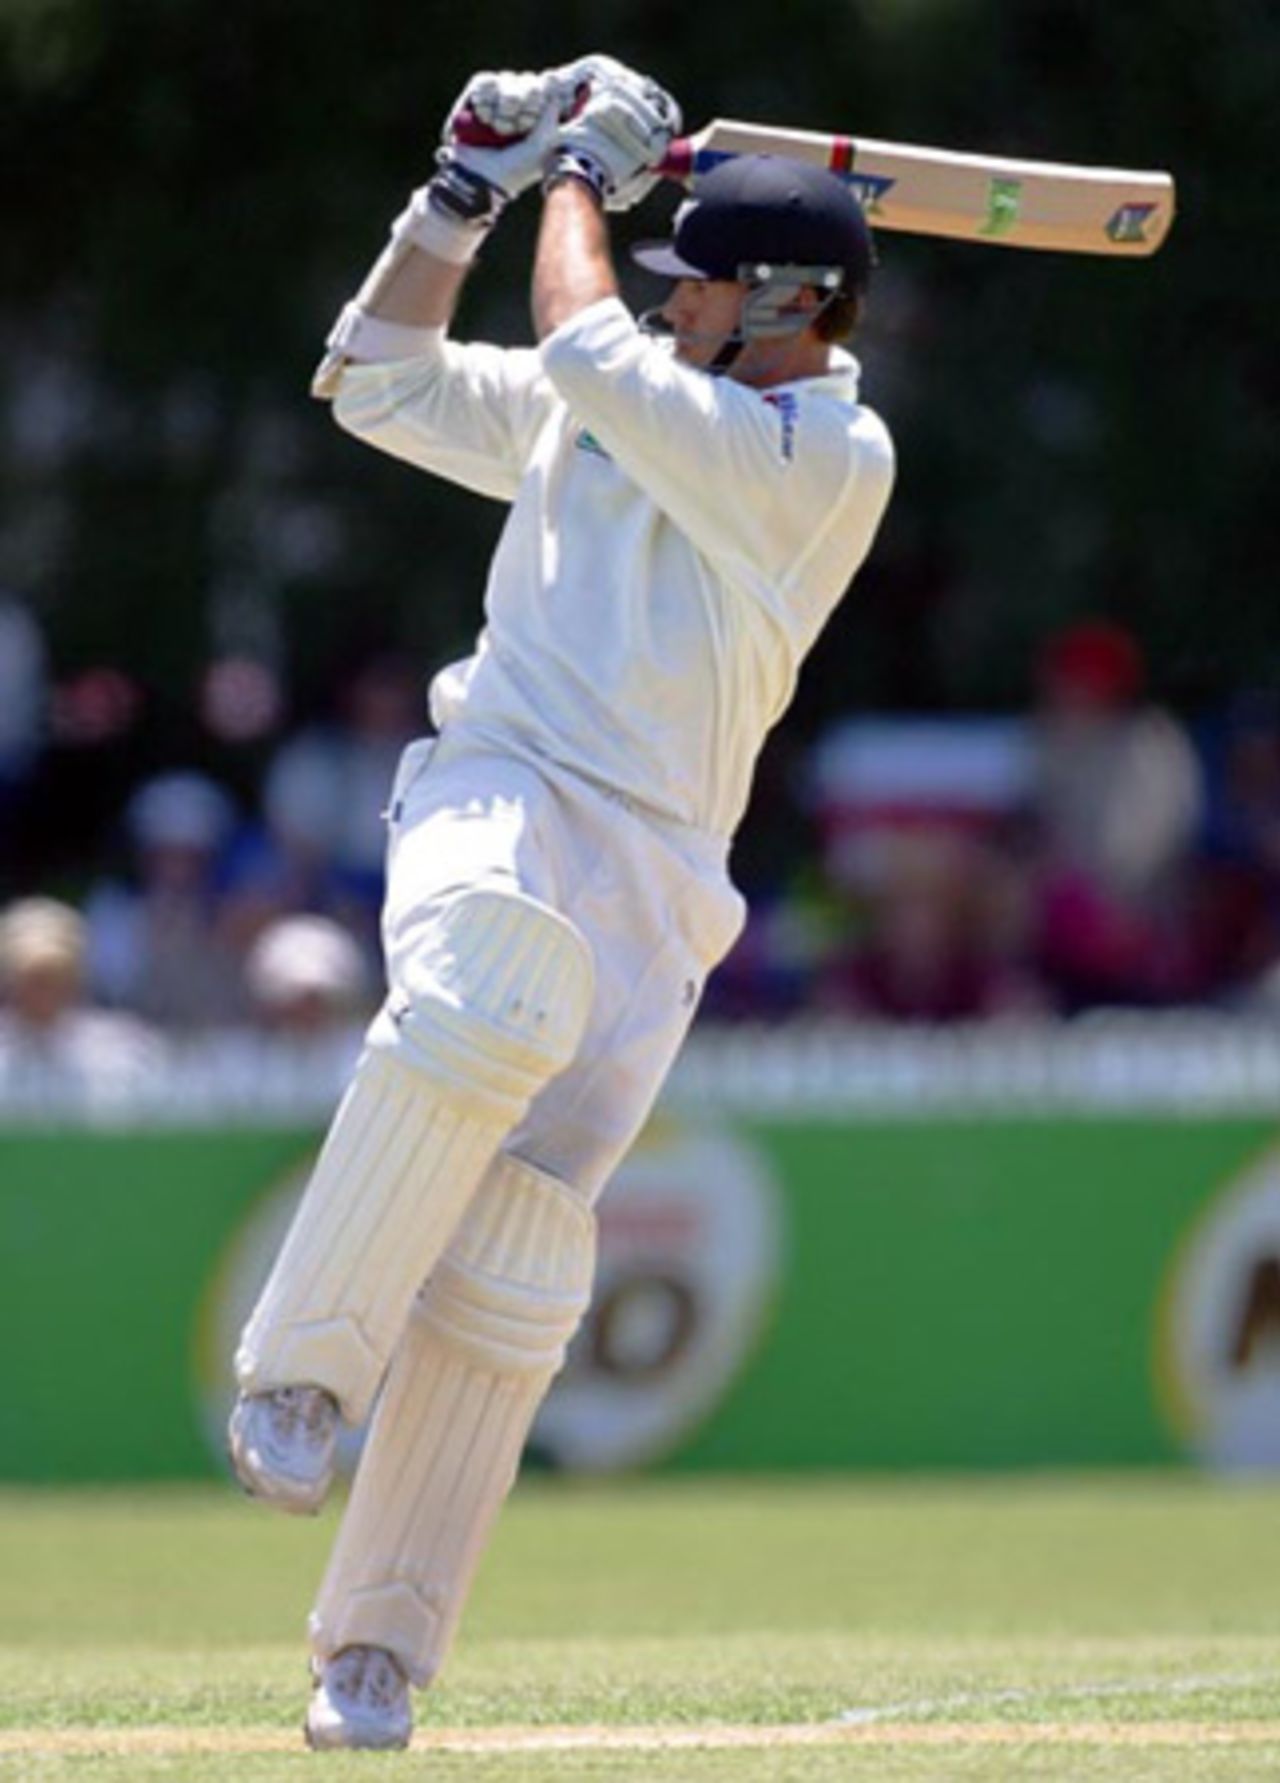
1091 666
1119 797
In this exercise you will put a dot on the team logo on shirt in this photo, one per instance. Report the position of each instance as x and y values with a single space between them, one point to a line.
586 441
788 412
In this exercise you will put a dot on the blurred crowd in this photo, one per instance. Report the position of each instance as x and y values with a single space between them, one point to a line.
1094 850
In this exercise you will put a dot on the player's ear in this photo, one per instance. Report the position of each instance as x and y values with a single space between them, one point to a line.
807 302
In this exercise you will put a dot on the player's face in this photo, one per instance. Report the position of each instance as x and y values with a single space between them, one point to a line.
702 314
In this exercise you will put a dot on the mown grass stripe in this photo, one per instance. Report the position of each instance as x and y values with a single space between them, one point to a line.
159 1741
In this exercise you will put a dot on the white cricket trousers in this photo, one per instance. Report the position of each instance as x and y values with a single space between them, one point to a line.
653 901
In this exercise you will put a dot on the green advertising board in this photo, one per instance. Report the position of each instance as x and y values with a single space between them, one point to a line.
110 1241
976 1294
775 1291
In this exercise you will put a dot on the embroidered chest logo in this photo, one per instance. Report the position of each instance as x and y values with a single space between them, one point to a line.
586 441
788 413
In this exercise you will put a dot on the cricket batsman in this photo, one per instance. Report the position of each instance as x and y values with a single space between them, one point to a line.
685 510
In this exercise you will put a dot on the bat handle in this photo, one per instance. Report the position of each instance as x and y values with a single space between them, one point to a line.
469 130
677 163
474 133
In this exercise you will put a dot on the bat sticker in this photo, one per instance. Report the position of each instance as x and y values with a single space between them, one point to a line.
1004 201
1130 222
869 189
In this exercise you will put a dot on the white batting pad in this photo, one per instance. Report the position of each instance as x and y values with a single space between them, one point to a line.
493 1010
396 1172
486 1337
490 994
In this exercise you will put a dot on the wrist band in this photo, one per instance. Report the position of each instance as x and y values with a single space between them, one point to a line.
459 193
572 164
437 220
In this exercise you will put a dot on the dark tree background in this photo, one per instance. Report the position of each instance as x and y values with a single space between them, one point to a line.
194 186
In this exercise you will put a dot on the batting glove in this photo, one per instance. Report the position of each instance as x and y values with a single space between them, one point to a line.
493 144
616 139
501 127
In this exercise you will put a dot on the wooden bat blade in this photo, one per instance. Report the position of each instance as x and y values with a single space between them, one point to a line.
982 198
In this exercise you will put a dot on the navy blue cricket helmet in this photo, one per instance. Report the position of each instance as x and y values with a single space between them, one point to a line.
758 211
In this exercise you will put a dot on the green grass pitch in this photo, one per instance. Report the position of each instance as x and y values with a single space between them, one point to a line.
1020 1627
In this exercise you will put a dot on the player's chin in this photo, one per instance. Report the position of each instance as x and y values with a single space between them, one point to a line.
693 352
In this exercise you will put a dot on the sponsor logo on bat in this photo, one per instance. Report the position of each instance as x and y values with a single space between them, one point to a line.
1130 222
869 189
1004 202
706 159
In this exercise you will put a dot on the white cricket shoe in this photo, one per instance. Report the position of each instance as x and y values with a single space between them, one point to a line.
361 1700
282 1446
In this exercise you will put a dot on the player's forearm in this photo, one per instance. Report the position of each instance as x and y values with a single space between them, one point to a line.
412 288
407 292
573 267
416 290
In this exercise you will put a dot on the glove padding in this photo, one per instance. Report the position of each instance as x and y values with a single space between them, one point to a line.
502 125
620 134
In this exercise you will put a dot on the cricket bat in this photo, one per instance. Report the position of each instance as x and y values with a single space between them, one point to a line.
982 198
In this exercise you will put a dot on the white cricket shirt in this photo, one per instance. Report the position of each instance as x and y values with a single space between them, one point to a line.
675 544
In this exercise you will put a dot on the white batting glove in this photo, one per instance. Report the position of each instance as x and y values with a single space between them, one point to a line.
617 138
494 143
501 127
598 70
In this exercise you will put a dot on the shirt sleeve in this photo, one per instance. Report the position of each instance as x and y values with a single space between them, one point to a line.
468 412
755 478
